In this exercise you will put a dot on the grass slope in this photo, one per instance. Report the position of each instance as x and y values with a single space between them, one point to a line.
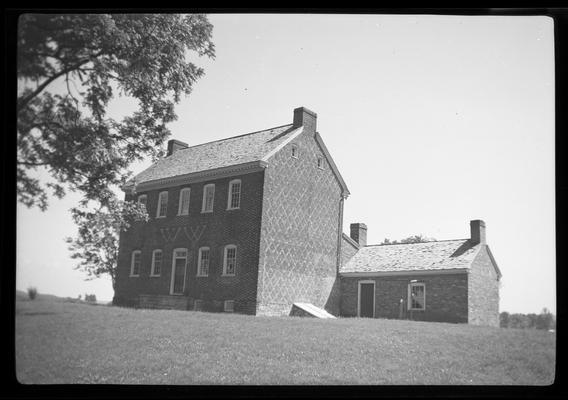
59 342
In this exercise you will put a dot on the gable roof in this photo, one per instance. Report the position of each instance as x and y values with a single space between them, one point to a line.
428 256
222 153
250 151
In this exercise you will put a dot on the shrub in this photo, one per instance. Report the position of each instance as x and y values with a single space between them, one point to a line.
32 293
91 298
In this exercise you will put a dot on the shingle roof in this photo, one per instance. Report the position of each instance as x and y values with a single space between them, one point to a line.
221 153
446 254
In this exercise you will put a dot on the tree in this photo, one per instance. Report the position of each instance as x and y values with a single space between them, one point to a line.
90 57
97 242
545 320
411 239
504 319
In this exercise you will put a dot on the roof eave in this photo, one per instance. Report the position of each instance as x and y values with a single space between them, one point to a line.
367 274
194 177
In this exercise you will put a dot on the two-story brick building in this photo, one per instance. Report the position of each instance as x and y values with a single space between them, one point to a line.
253 224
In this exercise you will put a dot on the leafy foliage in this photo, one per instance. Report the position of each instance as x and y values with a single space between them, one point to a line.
93 56
96 245
91 298
411 239
32 293
544 320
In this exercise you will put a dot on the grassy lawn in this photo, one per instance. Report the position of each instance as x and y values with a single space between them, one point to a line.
62 342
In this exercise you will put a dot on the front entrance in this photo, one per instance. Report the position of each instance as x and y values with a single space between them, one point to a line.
366 299
179 265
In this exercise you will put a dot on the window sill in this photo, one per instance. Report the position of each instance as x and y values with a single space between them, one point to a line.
182 215
416 309
228 275
232 209
155 276
202 276
160 216
134 276
207 212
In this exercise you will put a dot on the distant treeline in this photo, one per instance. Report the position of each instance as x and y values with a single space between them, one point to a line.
544 320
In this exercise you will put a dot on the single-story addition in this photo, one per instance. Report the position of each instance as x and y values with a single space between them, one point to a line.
446 281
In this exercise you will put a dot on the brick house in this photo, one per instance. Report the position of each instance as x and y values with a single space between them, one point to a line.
250 223
253 224
446 281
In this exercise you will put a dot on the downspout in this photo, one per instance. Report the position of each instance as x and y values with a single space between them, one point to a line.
339 258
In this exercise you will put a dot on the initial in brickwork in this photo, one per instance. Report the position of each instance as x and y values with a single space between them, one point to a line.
169 234
193 233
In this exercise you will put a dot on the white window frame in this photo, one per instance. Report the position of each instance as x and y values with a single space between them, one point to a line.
132 257
294 151
180 206
199 259
225 251
233 182
153 269
160 205
174 258
229 306
409 303
204 202
359 283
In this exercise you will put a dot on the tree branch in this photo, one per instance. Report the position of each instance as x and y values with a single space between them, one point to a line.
24 102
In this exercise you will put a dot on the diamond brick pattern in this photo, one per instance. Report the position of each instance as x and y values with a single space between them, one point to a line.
300 224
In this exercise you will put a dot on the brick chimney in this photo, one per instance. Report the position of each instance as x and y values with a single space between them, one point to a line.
359 233
175 145
305 117
477 228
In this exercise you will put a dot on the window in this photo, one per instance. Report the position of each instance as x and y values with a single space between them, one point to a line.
198 305
229 305
143 199
156 263
416 296
183 208
135 263
230 260
203 262
234 201
162 205
320 163
208 197
294 151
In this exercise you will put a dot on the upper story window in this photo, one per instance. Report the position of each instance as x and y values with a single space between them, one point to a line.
320 163
234 200
230 260
135 263
183 208
208 197
416 296
162 205
294 151
203 262
156 263
143 199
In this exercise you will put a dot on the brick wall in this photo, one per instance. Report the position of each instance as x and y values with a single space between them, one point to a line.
446 297
483 286
215 230
348 250
300 226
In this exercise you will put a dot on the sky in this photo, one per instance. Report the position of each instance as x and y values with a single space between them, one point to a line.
433 121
